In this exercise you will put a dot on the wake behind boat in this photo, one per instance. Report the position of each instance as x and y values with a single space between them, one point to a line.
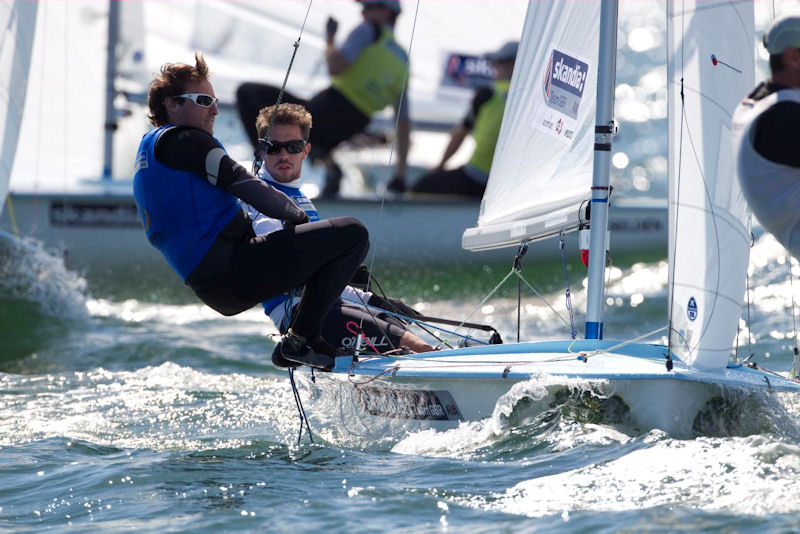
543 173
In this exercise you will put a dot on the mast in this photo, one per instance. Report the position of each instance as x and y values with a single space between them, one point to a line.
604 132
111 72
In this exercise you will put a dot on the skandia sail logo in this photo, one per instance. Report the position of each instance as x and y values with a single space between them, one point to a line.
564 82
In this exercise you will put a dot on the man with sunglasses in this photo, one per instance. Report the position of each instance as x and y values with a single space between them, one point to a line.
189 191
367 75
766 137
285 130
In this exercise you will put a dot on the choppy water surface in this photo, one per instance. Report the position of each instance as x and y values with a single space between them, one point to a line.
125 405
135 414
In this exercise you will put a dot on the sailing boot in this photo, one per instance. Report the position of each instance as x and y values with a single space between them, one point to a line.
277 358
316 353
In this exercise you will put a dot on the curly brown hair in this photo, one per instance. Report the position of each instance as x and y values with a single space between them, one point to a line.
286 114
170 82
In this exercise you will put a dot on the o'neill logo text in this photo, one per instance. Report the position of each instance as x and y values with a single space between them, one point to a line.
564 82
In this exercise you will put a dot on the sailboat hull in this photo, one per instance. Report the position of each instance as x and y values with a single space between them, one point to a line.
602 381
98 227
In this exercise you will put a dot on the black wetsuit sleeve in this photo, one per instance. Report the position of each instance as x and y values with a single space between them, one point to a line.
193 150
777 134
482 95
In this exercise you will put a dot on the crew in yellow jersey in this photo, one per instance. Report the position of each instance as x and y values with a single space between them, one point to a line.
483 121
367 74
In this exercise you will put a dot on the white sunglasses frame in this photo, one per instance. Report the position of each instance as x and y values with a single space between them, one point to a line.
193 98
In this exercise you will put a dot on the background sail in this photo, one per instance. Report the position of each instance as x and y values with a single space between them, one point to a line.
542 169
17 25
253 41
711 62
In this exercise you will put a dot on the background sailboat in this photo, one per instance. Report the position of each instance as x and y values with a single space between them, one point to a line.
60 185
667 387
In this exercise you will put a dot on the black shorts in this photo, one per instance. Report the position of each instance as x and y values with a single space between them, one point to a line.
452 182
241 270
334 118
252 97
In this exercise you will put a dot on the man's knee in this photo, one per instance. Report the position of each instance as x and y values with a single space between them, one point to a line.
352 227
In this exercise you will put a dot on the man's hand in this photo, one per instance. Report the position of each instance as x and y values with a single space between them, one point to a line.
330 29
289 224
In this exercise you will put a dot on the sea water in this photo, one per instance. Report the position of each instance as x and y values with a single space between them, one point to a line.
153 413
127 406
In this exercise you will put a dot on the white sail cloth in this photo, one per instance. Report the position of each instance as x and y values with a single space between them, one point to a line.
542 168
17 25
711 63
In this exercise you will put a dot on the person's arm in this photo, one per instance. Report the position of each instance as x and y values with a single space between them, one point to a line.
461 131
193 150
457 136
335 60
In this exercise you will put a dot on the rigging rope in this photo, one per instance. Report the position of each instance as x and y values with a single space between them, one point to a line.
749 337
796 360
258 158
568 297
300 410
523 248
391 150
257 162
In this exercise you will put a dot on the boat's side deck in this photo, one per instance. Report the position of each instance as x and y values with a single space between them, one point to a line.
588 359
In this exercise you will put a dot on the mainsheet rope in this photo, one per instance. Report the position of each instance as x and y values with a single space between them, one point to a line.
258 157
796 360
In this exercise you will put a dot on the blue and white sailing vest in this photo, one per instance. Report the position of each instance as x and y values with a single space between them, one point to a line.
182 213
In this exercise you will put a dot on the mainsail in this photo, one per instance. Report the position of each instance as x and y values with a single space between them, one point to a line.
542 168
711 67
17 25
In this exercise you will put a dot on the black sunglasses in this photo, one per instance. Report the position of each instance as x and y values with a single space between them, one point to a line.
295 146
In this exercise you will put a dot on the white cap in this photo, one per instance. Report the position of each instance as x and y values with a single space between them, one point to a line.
783 33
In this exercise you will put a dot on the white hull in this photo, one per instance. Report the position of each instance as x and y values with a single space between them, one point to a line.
442 389
97 226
